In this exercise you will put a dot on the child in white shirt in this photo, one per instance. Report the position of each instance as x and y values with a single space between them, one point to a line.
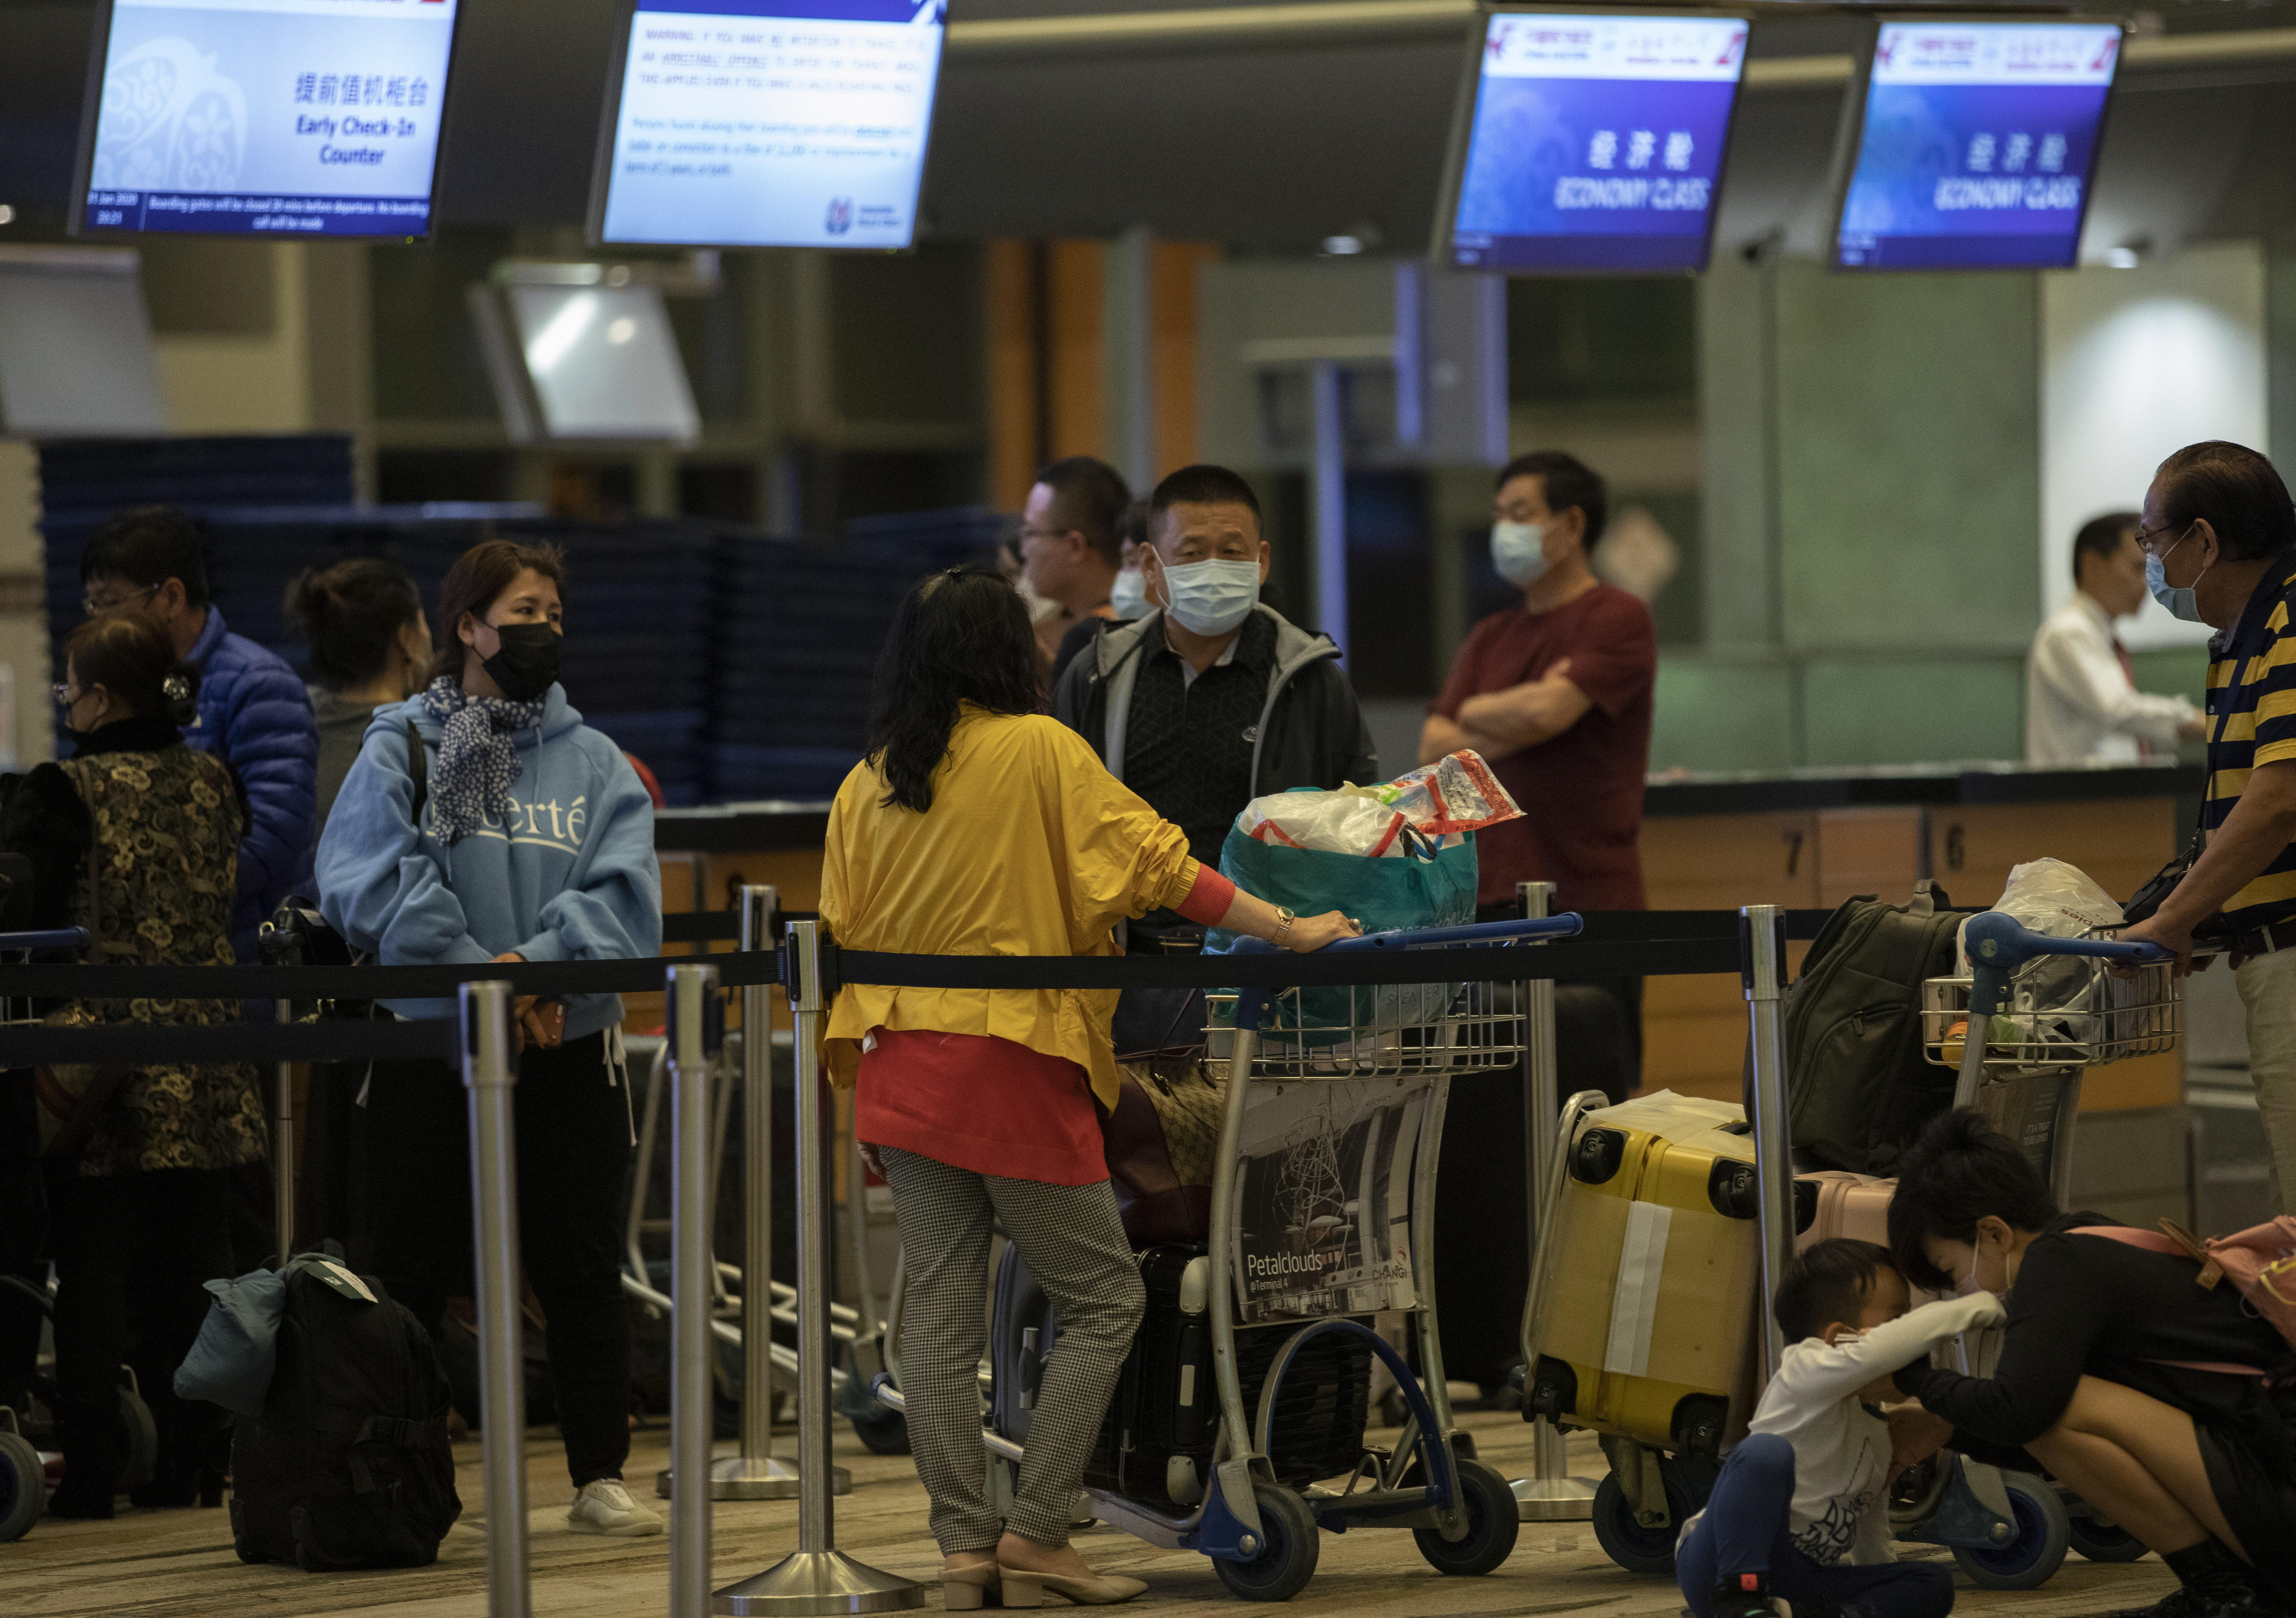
1792 1515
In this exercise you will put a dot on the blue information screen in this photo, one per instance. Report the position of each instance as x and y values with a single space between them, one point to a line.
1977 146
1596 142
288 116
773 123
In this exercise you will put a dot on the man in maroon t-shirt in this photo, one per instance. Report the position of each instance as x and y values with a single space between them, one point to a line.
1555 694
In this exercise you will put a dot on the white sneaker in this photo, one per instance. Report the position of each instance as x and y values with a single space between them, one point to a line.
605 1507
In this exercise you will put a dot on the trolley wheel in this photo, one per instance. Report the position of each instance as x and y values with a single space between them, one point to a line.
883 1431
143 1452
1289 1545
2033 1557
1493 1521
2103 1541
1648 1551
23 1486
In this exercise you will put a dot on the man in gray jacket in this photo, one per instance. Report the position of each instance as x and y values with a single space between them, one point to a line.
1213 699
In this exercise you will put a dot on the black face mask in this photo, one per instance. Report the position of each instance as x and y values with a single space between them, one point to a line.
527 665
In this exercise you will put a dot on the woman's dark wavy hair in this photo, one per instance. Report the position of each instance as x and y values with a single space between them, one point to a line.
959 636
1960 1170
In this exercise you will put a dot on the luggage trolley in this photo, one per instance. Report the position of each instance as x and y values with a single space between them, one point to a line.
1322 1208
2053 1008
2056 1007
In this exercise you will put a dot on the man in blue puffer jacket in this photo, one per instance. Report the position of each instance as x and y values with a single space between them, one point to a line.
253 712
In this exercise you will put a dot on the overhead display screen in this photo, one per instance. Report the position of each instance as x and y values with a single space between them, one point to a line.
1596 141
310 118
1976 145
769 123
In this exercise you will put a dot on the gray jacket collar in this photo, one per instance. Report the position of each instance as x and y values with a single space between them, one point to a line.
1119 667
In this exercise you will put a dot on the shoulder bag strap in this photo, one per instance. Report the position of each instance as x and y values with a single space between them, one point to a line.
418 770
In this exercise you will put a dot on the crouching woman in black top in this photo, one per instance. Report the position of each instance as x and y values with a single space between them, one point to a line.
2100 1379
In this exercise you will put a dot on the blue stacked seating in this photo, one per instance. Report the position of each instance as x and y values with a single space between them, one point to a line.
86 482
737 666
798 630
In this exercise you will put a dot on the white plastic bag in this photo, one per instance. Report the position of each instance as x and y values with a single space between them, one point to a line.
2048 896
2059 999
1442 802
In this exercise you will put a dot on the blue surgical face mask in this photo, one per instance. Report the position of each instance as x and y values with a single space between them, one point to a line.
1213 597
2178 600
1518 552
1127 597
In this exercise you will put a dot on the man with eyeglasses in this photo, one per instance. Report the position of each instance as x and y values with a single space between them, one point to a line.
2219 537
2081 701
253 711
1071 550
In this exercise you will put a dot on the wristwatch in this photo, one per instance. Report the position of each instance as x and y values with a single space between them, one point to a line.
1283 920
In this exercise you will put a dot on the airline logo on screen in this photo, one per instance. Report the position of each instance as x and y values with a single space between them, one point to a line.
1528 45
2067 53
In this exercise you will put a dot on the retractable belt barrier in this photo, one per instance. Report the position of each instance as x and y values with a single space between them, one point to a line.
1614 944
817 1579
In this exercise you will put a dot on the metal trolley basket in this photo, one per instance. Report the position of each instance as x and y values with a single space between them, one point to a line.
1322 1208
2045 1009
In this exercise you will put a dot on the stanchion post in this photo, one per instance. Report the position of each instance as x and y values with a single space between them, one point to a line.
283 1145
817 1578
489 1076
696 1030
754 1474
1550 1494
1762 945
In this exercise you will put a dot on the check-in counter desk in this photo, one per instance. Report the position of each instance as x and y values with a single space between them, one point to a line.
1804 841
1813 838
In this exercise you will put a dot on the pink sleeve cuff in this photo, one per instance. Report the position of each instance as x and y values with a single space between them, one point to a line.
1208 899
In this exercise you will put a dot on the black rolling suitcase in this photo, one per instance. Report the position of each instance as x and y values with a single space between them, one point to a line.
1156 1441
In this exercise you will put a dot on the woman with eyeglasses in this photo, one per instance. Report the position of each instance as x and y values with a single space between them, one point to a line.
136 838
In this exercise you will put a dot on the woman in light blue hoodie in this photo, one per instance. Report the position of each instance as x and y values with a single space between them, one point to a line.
535 842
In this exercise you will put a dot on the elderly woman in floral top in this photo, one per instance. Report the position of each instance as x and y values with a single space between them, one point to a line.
134 1159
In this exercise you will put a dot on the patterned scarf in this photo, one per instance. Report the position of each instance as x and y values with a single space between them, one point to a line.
477 759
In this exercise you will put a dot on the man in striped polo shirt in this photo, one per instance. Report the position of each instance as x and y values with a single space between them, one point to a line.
2219 536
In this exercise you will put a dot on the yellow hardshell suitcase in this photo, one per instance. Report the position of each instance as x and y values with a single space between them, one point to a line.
1648 1276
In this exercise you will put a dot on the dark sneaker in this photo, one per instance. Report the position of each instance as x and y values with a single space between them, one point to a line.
1746 1595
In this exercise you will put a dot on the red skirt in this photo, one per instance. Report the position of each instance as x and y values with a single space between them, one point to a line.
977 1102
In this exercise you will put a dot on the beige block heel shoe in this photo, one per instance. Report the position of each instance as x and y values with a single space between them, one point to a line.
962 1589
1024 1589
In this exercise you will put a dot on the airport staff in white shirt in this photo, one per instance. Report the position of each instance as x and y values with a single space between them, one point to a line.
2081 701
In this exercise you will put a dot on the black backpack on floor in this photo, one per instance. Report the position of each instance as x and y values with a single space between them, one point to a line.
348 1464
1858 1088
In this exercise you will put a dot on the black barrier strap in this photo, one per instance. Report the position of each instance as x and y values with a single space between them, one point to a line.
1659 943
702 927
735 970
149 1044
719 926
1645 926
1573 959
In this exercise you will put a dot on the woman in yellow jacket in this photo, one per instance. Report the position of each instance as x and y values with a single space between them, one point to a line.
978 825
